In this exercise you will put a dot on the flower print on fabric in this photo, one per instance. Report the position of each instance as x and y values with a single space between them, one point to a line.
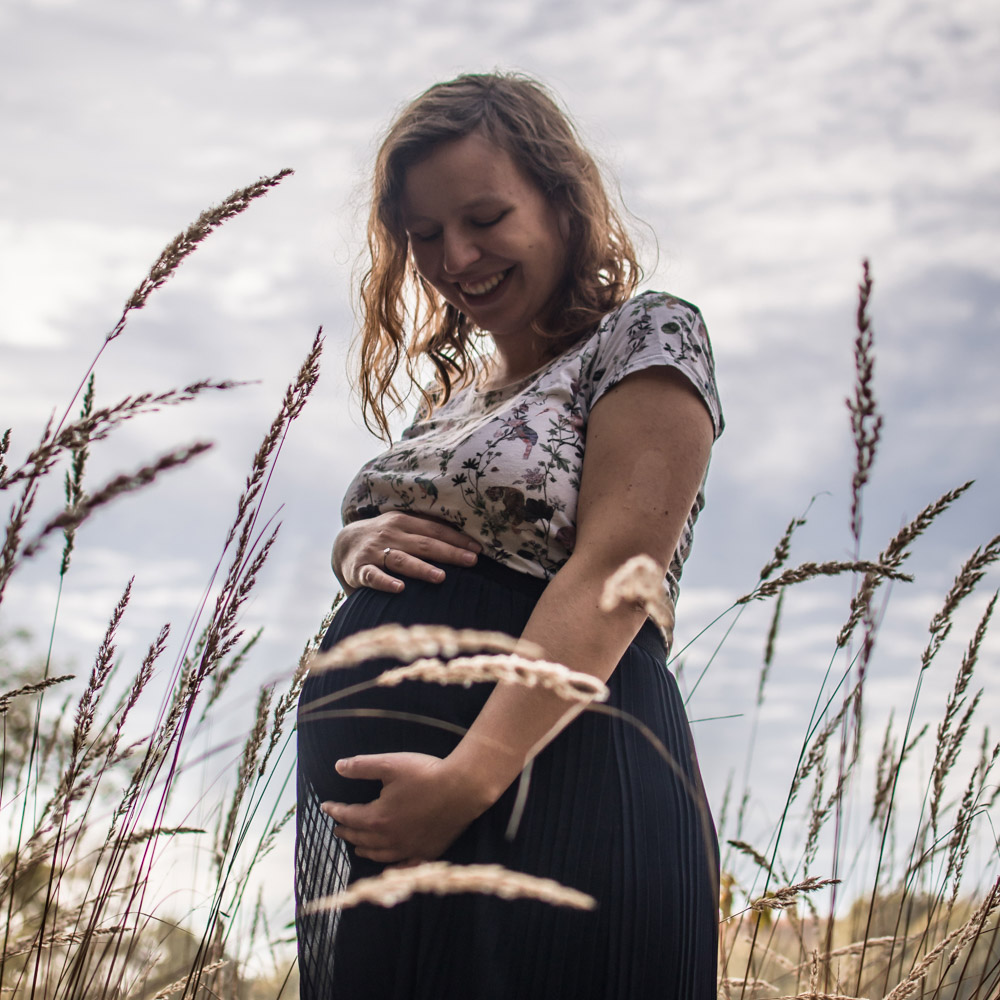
504 466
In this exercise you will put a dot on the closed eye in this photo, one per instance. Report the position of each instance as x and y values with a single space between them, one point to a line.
486 223
425 237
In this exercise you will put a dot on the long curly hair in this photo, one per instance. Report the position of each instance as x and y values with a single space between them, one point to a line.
403 319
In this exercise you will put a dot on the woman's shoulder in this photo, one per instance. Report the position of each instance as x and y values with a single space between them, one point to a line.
650 329
645 309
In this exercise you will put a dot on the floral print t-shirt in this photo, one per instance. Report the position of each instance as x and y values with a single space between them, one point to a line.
504 465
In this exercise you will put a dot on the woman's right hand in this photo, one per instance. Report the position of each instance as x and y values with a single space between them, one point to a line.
360 559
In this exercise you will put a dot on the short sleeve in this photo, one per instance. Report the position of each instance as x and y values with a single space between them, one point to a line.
656 329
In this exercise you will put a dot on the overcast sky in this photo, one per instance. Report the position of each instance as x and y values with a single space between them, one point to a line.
768 146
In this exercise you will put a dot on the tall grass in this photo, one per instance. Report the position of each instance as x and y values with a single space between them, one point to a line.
923 924
84 800
87 803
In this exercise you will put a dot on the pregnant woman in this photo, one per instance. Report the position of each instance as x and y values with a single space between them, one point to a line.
565 427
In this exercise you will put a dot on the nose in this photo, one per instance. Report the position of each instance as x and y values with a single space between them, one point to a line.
459 251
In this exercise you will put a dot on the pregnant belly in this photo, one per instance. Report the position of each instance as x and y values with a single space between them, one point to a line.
342 713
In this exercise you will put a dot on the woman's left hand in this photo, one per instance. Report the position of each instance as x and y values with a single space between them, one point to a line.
423 807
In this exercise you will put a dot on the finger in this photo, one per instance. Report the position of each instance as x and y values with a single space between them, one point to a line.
373 577
372 766
404 564
438 550
355 818
361 839
429 527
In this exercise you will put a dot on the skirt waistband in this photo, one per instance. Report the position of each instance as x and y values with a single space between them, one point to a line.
649 638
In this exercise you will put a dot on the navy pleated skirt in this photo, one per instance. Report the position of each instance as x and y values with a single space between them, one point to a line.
605 813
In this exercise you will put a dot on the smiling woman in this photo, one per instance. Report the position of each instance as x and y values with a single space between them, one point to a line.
488 241
530 474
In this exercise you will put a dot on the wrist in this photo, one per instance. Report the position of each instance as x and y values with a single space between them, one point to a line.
484 773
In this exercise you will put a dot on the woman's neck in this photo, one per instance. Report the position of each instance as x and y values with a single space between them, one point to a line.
512 361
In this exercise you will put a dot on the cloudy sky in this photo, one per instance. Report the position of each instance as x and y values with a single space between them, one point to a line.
768 146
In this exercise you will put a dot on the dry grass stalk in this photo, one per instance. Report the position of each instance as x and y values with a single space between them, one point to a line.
639 581
26 689
142 678
4 447
289 700
406 644
187 242
185 982
810 570
141 836
983 768
220 635
894 555
884 772
55 839
292 404
817 749
72 517
971 573
16 521
951 736
964 935
571 685
247 767
817 816
59 938
772 638
783 898
222 676
782 549
87 708
440 878
866 422
815 995
751 852
746 984
958 844
856 947
98 424
887 769
74 478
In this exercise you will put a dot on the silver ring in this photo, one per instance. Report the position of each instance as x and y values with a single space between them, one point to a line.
385 555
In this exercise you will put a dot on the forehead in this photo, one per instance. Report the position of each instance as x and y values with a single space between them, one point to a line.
459 175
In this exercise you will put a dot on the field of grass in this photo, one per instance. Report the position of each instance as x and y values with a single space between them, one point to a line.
91 856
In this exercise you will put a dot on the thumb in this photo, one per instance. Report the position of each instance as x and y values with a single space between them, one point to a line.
373 766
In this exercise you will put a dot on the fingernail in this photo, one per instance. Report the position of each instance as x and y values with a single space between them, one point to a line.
468 558
341 765
439 574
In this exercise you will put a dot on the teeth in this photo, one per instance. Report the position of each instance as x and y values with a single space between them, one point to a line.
482 287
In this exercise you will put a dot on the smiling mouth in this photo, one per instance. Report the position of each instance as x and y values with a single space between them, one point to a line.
477 289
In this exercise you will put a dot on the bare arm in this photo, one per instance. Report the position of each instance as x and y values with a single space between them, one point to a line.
648 442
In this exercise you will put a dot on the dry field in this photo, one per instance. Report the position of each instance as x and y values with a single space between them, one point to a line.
87 800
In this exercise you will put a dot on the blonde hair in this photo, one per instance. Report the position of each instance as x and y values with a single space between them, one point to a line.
520 116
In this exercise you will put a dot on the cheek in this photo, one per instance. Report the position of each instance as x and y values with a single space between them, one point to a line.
422 258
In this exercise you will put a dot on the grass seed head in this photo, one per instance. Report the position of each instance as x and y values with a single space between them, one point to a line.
441 878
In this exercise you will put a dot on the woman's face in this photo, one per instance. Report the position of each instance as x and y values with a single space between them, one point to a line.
484 236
